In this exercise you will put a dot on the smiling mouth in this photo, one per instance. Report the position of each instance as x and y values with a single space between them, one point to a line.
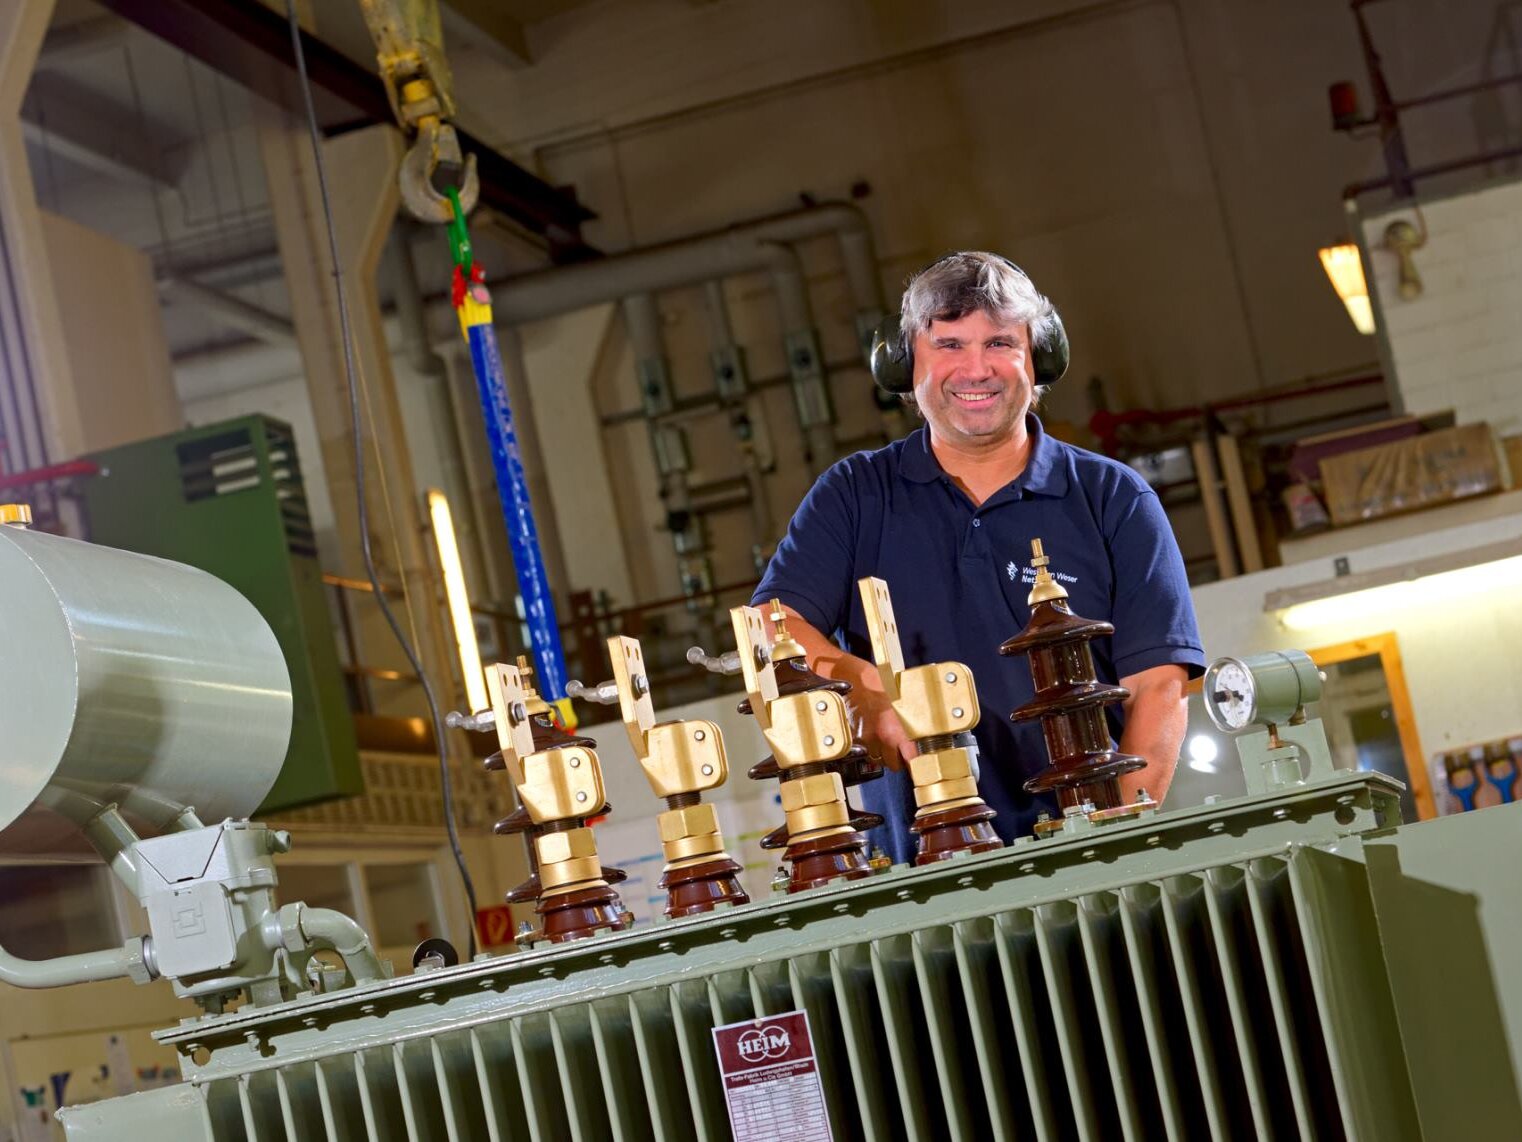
974 398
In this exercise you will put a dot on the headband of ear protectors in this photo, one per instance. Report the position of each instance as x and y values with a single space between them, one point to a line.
892 356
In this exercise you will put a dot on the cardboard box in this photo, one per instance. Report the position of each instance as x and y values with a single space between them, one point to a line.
1407 475
1512 447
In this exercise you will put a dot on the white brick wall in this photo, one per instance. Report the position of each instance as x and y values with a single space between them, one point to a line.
1458 345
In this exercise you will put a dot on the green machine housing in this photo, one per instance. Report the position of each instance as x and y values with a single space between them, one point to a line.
228 498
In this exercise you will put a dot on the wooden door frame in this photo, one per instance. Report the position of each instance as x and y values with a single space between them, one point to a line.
1387 647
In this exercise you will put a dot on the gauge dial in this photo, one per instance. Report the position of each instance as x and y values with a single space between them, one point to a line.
1231 695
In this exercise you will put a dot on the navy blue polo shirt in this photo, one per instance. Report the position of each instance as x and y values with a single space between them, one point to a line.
960 575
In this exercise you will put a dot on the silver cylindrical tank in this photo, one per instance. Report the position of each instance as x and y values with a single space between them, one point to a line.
129 679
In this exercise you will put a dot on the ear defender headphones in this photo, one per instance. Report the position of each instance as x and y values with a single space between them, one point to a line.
892 356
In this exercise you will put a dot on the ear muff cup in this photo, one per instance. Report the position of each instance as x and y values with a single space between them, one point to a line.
892 357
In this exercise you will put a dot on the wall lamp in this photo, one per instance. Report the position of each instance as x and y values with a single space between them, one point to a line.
1345 269
1406 586
460 617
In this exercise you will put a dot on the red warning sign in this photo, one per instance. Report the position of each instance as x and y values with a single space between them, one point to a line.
771 1080
495 925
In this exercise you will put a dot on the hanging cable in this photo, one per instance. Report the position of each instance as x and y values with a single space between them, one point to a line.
352 383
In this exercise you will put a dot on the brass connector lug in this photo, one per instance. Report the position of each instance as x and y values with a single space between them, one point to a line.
937 704
19 515
681 760
809 732
558 789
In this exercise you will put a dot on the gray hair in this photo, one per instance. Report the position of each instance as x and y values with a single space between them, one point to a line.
973 280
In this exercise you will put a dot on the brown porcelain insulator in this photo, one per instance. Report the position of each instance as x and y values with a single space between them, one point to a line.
855 768
548 734
959 828
843 855
822 860
963 829
568 916
795 677
1070 701
696 888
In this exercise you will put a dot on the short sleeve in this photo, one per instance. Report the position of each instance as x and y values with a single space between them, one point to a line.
1153 612
811 570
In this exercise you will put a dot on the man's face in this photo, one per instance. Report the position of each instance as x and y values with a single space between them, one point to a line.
972 378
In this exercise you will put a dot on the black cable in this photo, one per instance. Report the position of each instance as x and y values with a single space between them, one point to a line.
359 481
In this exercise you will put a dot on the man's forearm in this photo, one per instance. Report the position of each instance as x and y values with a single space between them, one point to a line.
824 656
1156 719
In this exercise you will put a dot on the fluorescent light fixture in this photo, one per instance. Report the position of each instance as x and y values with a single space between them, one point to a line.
1345 268
1352 599
1203 752
459 601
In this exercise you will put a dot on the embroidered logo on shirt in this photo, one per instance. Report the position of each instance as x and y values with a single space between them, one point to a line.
1028 574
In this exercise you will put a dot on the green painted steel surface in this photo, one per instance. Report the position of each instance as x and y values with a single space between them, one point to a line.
228 498
1253 968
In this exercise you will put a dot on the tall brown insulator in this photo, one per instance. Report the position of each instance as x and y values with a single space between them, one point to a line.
682 760
822 838
559 789
548 734
1085 765
937 705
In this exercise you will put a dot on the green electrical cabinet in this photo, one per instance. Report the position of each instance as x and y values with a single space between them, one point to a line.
228 498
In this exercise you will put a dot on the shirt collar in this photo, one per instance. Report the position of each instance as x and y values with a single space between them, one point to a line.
1045 473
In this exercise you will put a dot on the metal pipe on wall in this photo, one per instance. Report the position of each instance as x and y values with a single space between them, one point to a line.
668 442
805 362
692 261
746 416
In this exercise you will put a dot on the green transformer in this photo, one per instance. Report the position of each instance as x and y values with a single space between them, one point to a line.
228 498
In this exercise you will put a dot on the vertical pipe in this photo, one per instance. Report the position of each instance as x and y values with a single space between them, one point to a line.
859 259
730 379
721 332
668 442
811 387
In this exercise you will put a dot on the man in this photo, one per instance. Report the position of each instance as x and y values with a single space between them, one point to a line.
946 516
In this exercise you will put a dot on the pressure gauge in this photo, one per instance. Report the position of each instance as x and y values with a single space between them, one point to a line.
1265 689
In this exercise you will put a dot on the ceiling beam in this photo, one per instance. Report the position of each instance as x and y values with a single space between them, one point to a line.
231 311
250 43
94 133
73 42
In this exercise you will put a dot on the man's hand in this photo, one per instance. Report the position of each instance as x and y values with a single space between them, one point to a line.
872 713
1156 718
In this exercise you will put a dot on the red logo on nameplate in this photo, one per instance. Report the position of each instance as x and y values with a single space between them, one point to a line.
771 1080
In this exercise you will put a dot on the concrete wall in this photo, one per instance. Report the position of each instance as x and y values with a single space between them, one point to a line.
118 358
1165 170
1460 652
1458 345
